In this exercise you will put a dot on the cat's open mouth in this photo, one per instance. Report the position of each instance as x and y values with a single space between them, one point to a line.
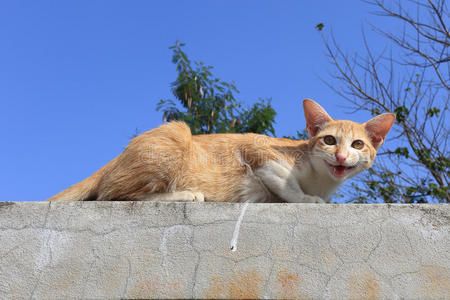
340 170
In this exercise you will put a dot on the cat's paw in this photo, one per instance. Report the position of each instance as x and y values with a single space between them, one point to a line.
188 196
312 199
198 197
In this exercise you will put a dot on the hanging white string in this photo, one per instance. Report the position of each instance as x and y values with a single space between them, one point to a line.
233 246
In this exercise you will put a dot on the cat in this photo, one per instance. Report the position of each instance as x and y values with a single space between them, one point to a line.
169 164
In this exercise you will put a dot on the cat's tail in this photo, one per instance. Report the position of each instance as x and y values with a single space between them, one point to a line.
83 190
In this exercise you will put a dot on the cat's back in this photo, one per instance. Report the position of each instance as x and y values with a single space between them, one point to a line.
245 139
173 135
250 147
176 137
179 133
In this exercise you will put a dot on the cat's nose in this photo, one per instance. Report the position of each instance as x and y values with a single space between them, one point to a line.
341 157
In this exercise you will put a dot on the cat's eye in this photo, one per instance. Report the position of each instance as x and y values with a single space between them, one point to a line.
358 144
329 140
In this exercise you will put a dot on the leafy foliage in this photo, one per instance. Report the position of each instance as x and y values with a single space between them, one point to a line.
208 104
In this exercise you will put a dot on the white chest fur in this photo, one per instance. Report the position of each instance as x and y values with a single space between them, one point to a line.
293 184
321 185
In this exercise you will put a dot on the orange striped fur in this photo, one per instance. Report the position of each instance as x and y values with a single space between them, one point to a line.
169 164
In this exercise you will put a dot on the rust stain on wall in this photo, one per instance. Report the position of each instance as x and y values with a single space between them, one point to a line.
156 288
66 281
364 286
240 285
145 288
435 281
245 285
288 285
216 289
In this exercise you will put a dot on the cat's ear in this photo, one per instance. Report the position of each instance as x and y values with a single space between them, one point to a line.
377 128
315 116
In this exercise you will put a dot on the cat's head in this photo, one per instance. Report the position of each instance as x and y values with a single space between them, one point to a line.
343 148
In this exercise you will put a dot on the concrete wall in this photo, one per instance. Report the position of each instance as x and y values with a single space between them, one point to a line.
176 250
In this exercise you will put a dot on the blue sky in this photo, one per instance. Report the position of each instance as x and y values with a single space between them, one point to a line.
78 77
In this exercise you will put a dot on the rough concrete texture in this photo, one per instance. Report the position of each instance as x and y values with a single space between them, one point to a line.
103 250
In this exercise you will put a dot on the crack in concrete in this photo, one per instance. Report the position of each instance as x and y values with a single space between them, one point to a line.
127 279
380 228
267 281
11 250
197 263
335 252
49 207
42 268
95 258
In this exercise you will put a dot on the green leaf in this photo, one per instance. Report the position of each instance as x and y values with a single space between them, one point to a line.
401 113
434 111
375 111
402 151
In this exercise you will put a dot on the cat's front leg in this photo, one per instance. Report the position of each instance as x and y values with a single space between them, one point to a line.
282 179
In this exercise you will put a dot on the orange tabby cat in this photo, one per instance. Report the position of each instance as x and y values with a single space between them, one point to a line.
169 164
